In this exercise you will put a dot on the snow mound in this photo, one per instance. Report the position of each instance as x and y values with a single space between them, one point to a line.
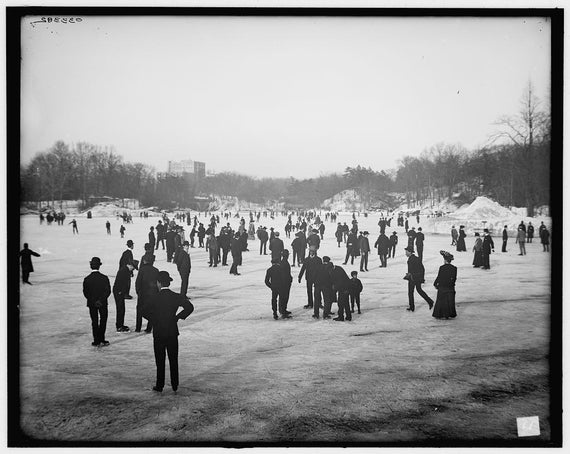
106 209
484 208
347 200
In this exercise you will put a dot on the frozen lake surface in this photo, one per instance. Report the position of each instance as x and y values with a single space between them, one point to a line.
387 376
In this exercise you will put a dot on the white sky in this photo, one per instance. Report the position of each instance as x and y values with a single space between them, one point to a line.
270 96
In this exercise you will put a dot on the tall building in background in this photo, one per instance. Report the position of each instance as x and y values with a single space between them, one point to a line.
196 168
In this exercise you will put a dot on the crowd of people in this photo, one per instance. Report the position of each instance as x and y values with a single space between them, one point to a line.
326 282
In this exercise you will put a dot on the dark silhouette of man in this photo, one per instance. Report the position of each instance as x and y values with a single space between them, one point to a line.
26 263
97 288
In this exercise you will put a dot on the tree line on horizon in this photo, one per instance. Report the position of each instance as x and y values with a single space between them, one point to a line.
514 170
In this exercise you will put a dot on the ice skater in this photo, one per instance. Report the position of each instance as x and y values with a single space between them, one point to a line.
415 278
355 291
74 225
26 263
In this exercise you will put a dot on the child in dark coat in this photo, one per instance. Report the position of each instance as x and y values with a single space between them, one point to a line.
355 289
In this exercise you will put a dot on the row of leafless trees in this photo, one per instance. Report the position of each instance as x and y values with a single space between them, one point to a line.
514 169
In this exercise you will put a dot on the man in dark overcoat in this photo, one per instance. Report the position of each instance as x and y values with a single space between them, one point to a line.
393 244
341 285
415 277
163 313
184 266
364 251
383 245
235 248
420 244
146 288
97 288
127 257
276 247
120 290
26 263
287 281
505 239
310 267
274 279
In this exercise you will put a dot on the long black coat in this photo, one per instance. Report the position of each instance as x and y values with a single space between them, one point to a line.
274 277
162 313
26 259
183 263
122 281
488 244
145 284
383 244
126 258
416 269
96 287
340 280
276 247
311 266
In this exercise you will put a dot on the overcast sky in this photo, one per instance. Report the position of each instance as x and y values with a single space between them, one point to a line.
274 96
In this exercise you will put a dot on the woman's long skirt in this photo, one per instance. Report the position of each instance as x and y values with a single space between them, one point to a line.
445 303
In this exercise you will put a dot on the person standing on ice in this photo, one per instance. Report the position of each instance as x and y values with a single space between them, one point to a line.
287 281
461 240
545 238
163 313
120 290
276 247
383 245
127 257
146 289
488 247
74 224
97 288
529 233
454 235
445 285
521 238
108 227
274 279
393 244
505 239
311 266
415 277
235 248
364 251
26 263
184 266
151 238
121 231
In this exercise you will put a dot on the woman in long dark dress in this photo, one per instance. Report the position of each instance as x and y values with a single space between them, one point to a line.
461 240
445 284
478 251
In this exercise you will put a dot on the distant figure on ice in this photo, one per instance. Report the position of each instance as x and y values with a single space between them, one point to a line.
393 244
521 238
287 281
97 288
263 239
415 277
276 247
352 249
488 247
163 313
355 290
545 238
364 251
341 285
339 234
184 266
505 239
478 251
383 245
74 224
160 234
235 248
454 235
108 227
121 231
461 240
420 244
26 263
314 240
445 285
529 233
151 238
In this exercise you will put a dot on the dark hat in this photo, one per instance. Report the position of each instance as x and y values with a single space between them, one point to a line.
409 249
186 243
419 228
477 234
354 273
315 231
95 261
446 255
461 226
130 243
326 259
365 232
394 233
486 230
164 278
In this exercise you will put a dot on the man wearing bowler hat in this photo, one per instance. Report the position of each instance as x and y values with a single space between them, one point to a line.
163 313
415 278
126 258
184 265
97 288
